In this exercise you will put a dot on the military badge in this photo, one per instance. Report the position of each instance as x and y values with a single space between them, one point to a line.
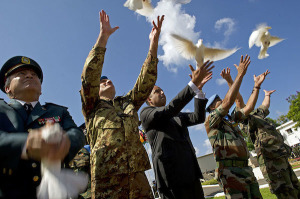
25 60
54 119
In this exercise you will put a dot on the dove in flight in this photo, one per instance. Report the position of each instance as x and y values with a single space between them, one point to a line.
262 38
142 7
199 52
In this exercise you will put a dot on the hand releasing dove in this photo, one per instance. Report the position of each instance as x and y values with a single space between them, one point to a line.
57 182
143 7
262 38
199 52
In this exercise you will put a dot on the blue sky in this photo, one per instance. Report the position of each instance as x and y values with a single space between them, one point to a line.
59 35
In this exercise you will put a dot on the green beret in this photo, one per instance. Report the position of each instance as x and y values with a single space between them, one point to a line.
15 63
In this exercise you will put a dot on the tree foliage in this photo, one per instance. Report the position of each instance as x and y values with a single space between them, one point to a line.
294 111
273 121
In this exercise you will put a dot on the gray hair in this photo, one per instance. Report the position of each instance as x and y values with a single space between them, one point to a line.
7 84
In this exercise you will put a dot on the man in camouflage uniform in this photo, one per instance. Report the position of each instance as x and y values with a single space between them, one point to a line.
272 152
229 147
118 158
81 163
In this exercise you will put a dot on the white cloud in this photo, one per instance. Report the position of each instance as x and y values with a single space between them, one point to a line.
197 151
208 147
221 81
186 110
229 25
177 22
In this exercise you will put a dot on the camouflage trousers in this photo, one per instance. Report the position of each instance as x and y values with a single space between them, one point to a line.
282 179
238 183
123 186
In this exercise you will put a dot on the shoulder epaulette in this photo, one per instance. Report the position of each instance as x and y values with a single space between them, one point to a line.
49 103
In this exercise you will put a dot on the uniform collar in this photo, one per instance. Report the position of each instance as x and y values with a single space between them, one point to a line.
32 103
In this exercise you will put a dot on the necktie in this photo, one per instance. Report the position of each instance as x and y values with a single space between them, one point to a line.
28 108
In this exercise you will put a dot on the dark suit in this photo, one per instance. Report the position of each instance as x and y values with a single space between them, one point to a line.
174 159
19 178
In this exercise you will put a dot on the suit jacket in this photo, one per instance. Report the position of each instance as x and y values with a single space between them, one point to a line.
19 178
173 155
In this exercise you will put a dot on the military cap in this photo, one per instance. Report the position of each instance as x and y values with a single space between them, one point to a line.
210 101
103 77
15 63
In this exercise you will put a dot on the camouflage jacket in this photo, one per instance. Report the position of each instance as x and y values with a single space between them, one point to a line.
225 136
112 126
267 140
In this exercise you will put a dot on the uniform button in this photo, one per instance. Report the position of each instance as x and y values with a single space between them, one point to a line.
35 178
9 172
33 165
4 170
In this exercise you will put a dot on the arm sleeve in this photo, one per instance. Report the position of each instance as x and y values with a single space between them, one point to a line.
215 117
198 116
90 79
145 82
152 115
75 134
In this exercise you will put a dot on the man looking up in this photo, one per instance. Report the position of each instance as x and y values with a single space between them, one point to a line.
272 152
21 123
118 158
229 147
174 160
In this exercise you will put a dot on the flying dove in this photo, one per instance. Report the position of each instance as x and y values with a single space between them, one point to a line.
199 52
262 38
143 7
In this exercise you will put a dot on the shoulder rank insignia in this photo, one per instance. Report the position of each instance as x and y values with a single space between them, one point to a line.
43 121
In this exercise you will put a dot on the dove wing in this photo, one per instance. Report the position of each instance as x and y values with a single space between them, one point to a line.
147 9
134 4
214 54
184 46
274 40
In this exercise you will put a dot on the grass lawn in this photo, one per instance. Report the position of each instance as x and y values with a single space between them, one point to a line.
296 165
265 192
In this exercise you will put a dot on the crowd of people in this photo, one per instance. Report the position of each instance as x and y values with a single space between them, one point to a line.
110 150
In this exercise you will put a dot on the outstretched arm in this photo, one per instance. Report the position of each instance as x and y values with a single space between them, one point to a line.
239 99
266 101
148 75
234 89
258 80
92 69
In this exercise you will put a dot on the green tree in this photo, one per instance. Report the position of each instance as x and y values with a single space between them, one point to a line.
282 119
273 121
294 111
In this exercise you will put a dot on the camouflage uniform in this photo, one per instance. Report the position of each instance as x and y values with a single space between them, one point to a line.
231 154
118 158
81 162
272 155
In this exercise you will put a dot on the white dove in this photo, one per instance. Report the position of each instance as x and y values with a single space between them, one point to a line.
143 7
262 38
199 52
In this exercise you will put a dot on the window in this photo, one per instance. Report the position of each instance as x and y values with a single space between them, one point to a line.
289 131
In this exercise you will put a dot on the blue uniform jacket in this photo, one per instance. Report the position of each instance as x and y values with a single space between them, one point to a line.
19 178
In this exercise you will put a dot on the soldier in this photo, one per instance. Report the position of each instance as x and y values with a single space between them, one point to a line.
229 147
21 123
272 152
118 158
81 162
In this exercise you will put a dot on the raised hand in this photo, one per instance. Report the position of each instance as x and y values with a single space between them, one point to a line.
225 74
155 32
243 66
202 74
268 93
105 29
260 79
